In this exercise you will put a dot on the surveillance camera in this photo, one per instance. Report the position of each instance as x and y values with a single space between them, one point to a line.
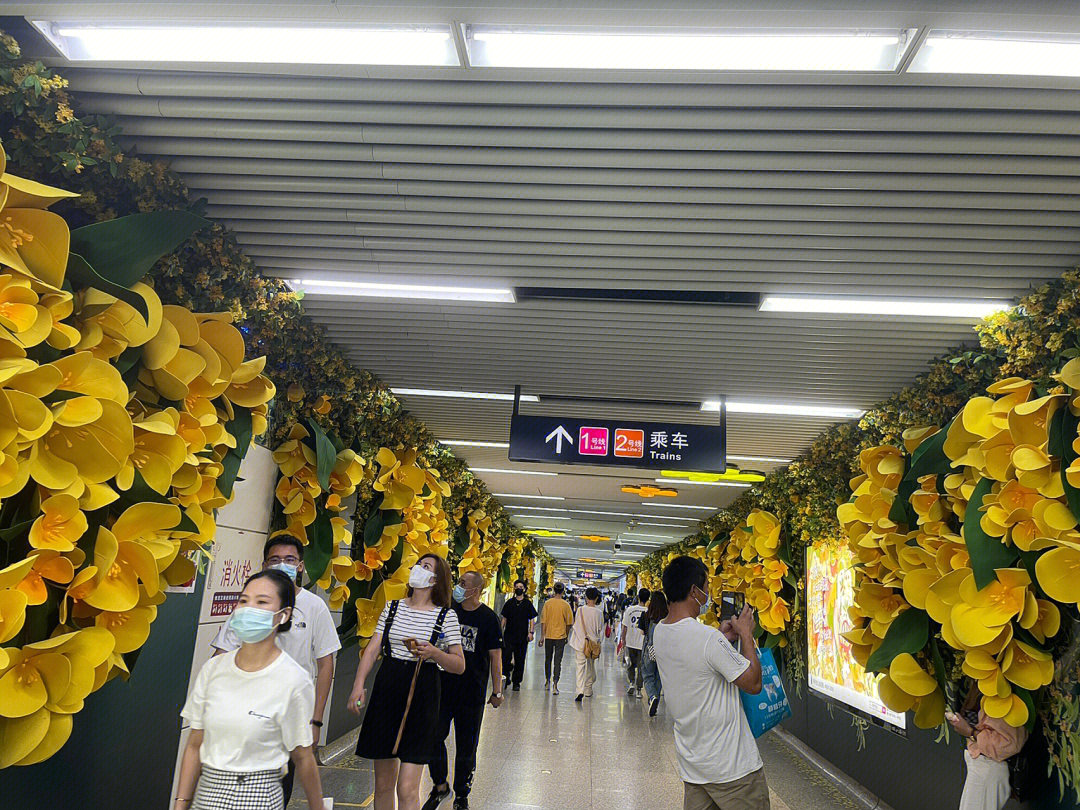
618 545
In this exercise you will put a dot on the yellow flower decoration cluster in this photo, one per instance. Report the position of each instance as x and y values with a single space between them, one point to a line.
750 564
1004 465
482 554
113 439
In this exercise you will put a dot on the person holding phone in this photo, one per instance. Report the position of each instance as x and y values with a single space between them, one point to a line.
989 743
250 711
416 636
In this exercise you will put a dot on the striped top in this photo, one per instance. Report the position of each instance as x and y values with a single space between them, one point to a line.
417 624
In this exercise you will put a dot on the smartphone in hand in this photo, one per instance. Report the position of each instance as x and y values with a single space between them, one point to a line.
731 604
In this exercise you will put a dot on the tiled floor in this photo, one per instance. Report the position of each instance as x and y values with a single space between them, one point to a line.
542 752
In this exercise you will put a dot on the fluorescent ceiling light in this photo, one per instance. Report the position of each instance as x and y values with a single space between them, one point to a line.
785 409
532 497
680 506
1002 54
464 443
643 534
700 483
660 525
502 471
371 289
759 458
430 392
892 307
545 517
596 512
284 44
704 50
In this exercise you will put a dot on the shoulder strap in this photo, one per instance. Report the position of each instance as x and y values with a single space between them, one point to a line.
437 630
386 628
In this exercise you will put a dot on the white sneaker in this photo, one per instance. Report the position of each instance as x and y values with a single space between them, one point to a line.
629 691
555 689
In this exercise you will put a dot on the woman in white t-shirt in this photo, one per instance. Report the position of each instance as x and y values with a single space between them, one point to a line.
588 627
250 711
416 636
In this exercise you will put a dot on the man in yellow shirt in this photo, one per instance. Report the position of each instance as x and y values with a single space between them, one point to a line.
555 623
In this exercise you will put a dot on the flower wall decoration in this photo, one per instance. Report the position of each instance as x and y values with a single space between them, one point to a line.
122 425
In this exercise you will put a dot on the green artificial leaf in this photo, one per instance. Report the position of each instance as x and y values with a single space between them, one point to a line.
939 666
325 454
1025 696
80 270
770 641
21 529
928 459
908 633
1063 429
240 427
394 562
461 540
320 547
124 249
230 469
373 529
987 553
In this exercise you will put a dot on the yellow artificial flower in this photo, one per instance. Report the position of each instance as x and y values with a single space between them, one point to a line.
60 525
47 565
1058 572
129 628
980 615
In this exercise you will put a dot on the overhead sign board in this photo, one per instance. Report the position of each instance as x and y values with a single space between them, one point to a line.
588 575
622 443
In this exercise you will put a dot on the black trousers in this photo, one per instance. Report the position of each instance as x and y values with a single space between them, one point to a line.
514 653
553 649
466 718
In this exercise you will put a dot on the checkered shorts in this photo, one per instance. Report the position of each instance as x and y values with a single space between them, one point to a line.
225 790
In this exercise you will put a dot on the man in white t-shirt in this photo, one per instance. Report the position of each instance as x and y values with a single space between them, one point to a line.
702 675
634 639
311 642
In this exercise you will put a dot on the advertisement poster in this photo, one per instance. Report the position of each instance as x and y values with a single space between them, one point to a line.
832 670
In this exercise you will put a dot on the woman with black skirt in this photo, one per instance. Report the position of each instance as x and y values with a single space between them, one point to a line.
416 637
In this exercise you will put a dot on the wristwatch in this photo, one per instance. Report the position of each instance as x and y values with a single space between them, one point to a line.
497 694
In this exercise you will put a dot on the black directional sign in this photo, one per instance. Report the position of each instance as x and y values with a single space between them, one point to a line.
622 443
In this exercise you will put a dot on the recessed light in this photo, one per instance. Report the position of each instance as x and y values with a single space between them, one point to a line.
1005 54
784 409
889 307
755 50
503 471
428 392
465 443
433 45
529 497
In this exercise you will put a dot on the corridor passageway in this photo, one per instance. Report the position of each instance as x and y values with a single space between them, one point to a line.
546 752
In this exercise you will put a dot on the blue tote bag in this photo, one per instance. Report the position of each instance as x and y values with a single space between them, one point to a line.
770 706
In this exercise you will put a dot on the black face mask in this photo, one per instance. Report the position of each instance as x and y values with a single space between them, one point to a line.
519 592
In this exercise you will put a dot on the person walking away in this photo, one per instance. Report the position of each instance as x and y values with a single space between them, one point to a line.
634 638
650 675
518 619
311 641
463 695
588 630
989 743
555 623
416 636
250 711
703 674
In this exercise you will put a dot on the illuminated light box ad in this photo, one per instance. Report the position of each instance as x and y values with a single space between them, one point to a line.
832 670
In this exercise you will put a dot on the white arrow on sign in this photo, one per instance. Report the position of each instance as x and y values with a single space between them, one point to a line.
558 434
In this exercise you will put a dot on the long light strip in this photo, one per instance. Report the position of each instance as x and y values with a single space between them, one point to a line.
545 517
529 497
701 484
658 525
891 307
433 392
502 471
758 458
431 45
680 506
1001 55
785 409
596 512
466 443
645 534
658 50
371 289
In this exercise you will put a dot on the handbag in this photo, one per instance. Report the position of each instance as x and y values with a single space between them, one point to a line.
591 649
607 631
770 706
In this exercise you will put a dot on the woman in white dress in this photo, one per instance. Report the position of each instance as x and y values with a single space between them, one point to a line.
585 640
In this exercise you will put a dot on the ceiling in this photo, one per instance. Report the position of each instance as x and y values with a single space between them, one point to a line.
894 185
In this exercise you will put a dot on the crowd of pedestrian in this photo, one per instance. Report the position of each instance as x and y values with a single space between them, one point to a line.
443 656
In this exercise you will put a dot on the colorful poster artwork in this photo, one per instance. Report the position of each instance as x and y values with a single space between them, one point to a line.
832 670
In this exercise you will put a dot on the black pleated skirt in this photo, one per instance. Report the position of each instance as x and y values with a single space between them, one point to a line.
386 707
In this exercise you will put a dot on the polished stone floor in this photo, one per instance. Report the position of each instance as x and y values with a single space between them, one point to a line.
541 752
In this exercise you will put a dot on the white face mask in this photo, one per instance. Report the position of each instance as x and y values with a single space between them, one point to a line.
420 577
703 608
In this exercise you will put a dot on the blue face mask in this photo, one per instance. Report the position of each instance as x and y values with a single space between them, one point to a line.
252 625
459 593
288 570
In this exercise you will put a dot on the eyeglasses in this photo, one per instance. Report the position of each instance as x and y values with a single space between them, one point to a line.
280 560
